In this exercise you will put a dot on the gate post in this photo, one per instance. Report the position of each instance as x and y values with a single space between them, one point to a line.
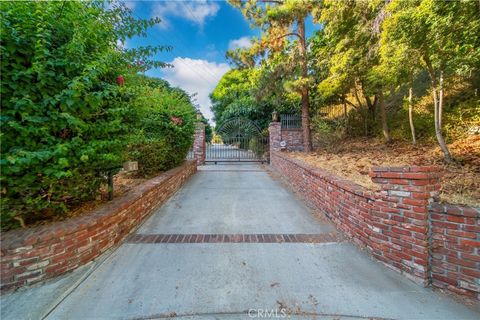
199 144
275 134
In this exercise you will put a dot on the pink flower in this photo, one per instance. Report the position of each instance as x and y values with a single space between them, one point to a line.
120 80
177 121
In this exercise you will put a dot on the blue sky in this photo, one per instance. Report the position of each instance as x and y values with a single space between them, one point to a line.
200 33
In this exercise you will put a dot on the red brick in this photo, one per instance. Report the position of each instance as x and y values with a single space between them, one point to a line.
421 182
401 231
421 195
416 176
470 243
415 202
453 209
414 215
455 219
394 175
471 228
445 279
470 272
446 225
400 181
471 257
471 212
463 234
461 262
420 209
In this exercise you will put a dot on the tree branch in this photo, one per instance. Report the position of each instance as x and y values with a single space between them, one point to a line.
288 35
352 104
356 96
272 1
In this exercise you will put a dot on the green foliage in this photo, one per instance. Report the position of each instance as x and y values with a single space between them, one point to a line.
366 55
463 116
235 96
208 129
443 33
65 120
257 147
162 127
326 132
368 48
281 51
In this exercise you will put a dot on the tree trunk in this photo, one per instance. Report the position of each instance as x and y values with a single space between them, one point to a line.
437 108
440 100
345 117
410 115
438 128
383 115
302 46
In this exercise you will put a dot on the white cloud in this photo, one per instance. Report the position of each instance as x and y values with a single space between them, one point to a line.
196 76
243 42
123 44
131 4
195 11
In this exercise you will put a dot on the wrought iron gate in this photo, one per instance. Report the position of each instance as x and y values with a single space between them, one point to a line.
238 140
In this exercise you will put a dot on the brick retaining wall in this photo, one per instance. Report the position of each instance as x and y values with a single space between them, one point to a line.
393 224
35 254
456 248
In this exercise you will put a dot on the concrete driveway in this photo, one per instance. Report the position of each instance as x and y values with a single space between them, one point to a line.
233 243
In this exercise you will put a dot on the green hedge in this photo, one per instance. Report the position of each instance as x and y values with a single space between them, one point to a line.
66 120
164 126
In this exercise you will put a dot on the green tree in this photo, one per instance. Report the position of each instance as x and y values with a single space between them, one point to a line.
236 95
444 36
398 69
349 42
283 37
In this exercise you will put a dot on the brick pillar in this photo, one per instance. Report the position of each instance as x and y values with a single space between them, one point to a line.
275 133
403 216
199 145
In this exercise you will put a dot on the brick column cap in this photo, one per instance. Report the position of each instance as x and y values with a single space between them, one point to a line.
410 173
408 169
274 124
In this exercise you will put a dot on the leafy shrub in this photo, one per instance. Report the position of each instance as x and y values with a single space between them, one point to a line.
326 132
64 118
257 147
163 128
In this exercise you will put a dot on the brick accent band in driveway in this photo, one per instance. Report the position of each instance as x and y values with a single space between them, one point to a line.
234 238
